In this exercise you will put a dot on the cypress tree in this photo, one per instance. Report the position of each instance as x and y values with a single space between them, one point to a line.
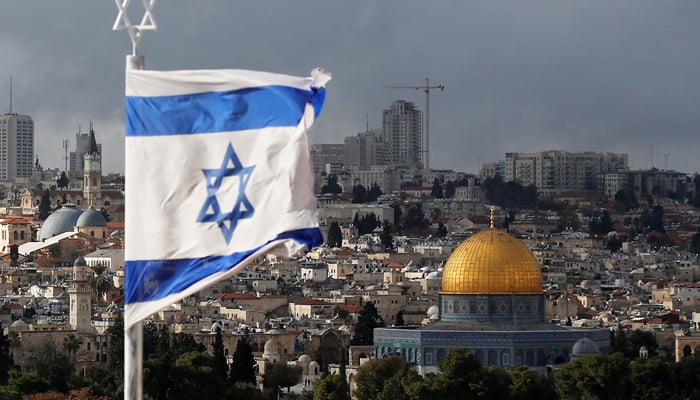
242 369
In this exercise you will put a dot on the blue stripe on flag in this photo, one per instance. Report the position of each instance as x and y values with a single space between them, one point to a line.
243 109
149 280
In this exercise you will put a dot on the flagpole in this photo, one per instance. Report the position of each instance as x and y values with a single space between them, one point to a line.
133 335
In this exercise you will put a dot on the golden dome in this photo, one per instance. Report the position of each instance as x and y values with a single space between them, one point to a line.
491 262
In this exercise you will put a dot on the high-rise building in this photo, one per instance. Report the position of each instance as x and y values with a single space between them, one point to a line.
402 123
16 146
366 149
76 158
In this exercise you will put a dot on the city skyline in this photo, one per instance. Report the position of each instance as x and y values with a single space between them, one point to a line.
518 77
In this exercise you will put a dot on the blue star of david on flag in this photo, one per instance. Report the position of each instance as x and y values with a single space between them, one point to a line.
211 210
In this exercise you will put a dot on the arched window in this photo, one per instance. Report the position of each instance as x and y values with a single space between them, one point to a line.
92 233
14 235
21 235
687 351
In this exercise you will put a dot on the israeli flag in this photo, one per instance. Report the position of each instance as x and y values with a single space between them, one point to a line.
218 174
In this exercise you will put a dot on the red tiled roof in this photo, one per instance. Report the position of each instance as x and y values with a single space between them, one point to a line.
351 309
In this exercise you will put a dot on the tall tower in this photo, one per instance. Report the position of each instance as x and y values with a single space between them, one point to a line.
402 123
81 297
92 172
16 146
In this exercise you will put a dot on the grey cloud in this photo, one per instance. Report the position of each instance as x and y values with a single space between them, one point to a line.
519 75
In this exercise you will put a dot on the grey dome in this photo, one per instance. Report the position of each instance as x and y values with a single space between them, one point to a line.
304 359
583 347
433 311
91 218
80 262
271 347
60 221
18 325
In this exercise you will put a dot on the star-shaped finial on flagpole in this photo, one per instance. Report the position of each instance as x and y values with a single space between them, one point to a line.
211 210
147 23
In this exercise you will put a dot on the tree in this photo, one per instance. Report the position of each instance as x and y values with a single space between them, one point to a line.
359 194
568 219
331 185
656 222
71 345
398 386
372 375
527 384
385 237
367 320
686 373
26 383
335 236
193 377
374 192
449 190
279 375
332 387
367 224
601 225
6 361
463 376
509 194
77 394
62 181
247 391
694 244
219 357
45 205
652 378
436 191
441 230
415 218
243 367
397 214
52 365
596 376
625 200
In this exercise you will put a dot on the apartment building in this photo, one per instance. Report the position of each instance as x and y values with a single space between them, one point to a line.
556 171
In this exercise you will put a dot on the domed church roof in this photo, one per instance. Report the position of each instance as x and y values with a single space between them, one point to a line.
91 217
491 262
60 221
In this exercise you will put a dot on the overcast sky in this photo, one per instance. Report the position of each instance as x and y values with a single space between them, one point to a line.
519 75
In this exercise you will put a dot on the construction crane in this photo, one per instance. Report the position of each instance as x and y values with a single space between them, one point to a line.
426 88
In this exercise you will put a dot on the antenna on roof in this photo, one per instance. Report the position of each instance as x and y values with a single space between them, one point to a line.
10 94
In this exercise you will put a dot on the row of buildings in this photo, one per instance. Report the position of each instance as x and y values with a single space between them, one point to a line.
395 155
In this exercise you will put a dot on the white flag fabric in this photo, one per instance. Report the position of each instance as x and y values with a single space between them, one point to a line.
218 173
